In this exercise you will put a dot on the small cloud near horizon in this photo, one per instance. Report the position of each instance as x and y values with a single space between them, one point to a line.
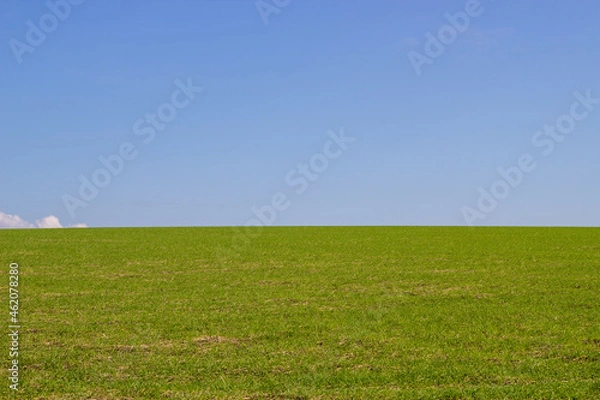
51 221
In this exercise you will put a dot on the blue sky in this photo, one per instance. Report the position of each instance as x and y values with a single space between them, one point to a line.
276 88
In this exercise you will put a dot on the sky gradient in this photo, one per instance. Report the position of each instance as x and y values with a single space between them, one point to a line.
281 86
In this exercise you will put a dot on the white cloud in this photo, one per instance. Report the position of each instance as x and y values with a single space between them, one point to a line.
14 221
48 222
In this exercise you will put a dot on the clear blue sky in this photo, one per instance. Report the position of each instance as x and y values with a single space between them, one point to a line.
424 144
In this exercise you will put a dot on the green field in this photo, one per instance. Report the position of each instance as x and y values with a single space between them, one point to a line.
306 313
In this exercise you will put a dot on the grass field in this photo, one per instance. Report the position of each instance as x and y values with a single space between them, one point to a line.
306 313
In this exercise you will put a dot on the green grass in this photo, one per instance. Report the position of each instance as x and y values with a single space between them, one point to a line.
303 313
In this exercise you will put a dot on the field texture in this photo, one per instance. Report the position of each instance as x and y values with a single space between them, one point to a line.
305 313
